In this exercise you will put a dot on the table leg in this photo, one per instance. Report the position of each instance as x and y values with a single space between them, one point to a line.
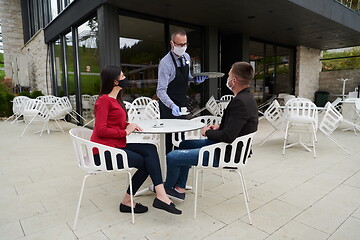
162 155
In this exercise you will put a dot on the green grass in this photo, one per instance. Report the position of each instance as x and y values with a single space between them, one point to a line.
1 60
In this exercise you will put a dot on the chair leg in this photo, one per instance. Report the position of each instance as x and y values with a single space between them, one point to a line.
337 143
27 124
246 191
272 133
10 118
131 199
285 138
79 202
202 183
222 176
246 203
196 190
59 126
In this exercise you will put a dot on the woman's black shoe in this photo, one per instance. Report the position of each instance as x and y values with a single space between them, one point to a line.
167 207
139 208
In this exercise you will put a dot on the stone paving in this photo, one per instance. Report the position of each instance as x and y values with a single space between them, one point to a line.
294 196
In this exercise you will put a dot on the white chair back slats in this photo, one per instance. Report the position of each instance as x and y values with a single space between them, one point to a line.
212 106
152 110
141 101
127 105
227 98
48 99
177 138
36 111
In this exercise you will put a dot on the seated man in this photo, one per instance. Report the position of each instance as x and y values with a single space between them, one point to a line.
239 118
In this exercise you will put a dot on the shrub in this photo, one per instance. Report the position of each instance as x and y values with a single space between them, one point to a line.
6 104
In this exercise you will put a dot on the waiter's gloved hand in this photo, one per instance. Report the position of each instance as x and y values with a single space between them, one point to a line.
175 110
200 79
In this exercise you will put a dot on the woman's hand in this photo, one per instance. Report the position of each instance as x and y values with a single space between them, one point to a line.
132 127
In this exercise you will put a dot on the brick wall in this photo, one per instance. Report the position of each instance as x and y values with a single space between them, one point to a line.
12 32
308 67
328 82
34 51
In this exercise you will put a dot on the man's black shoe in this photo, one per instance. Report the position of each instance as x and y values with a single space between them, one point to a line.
167 207
173 194
139 208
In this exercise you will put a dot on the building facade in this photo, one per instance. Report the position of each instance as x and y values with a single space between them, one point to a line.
63 44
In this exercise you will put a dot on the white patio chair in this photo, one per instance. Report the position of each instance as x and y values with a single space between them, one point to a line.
59 112
127 105
141 101
85 158
70 110
288 97
331 120
212 106
17 108
239 151
48 99
87 105
36 111
265 104
301 117
152 110
275 116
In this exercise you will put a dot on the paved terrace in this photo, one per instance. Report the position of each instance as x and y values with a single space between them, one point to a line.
291 197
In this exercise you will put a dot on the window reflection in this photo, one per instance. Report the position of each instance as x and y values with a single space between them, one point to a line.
273 67
141 49
89 66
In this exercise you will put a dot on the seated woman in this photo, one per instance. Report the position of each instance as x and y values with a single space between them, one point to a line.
111 129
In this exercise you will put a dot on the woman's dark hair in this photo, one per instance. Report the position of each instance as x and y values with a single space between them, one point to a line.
108 75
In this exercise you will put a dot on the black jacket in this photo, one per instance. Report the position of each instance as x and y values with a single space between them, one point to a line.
240 118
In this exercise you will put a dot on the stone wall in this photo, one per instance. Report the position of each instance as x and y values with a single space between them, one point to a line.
12 32
308 67
35 51
328 82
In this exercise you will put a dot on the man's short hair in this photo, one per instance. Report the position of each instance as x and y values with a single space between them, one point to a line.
176 32
244 71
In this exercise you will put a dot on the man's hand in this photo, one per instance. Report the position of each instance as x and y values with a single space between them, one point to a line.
203 130
200 79
132 127
215 127
175 110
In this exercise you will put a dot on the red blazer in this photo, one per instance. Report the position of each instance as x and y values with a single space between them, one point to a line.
110 122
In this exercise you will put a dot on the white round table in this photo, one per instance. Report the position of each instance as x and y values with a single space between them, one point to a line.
169 126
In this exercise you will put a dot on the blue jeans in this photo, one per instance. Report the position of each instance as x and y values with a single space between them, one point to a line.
179 161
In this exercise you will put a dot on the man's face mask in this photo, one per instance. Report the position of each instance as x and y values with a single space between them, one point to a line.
227 84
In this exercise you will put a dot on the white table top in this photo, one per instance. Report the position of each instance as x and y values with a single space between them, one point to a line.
169 125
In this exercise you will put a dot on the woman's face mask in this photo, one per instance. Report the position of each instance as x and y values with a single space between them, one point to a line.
125 83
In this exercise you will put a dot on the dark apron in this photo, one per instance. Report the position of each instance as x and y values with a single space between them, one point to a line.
177 91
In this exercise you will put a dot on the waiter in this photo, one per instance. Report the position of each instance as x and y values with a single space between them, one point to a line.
174 77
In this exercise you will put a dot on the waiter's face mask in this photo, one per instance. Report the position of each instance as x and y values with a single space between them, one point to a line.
179 48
